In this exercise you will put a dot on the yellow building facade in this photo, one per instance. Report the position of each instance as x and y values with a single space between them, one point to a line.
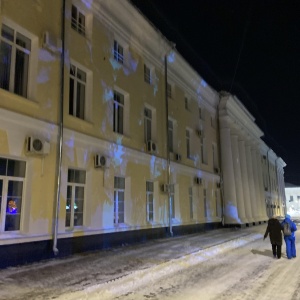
108 135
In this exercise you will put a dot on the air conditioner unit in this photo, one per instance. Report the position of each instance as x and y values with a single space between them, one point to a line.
50 43
217 170
99 161
178 157
198 180
199 133
165 188
37 146
151 146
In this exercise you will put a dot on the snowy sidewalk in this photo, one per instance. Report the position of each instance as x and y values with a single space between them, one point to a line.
102 271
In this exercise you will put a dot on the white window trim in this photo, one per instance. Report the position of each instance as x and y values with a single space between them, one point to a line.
88 18
126 117
88 109
33 59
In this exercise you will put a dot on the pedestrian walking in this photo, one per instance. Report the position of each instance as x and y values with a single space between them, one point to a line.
274 230
289 228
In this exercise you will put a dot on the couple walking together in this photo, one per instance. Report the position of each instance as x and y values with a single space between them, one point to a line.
275 230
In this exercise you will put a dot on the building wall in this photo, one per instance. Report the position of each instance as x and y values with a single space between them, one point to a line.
42 187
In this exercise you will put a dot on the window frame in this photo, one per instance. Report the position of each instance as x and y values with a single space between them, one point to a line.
118 190
150 201
75 23
16 48
73 185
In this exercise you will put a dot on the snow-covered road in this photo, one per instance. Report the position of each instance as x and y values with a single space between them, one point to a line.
223 264
236 270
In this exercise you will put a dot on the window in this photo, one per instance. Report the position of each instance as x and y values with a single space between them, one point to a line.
147 74
191 202
200 113
291 199
188 143
149 197
202 150
119 200
77 92
118 125
172 197
170 135
169 90
75 198
186 103
78 20
12 174
118 52
205 203
15 49
148 124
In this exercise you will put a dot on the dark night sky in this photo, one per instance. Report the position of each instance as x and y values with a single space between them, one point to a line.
250 48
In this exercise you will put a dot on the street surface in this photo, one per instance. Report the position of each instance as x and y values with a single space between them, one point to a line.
231 264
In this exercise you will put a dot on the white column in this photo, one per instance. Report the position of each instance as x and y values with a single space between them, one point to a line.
256 184
262 187
230 206
245 180
251 182
238 179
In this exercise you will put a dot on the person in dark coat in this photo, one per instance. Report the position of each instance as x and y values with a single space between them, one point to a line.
274 229
290 239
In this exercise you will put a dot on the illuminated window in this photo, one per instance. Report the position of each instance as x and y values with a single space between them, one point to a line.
205 203
170 135
75 198
12 176
118 52
147 74
188 143
118 125
78 20
119 200
150 204
191 202
77 92
148 124
15 49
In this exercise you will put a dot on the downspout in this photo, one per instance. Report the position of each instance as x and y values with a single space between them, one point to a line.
269 179
167 143
220 162
60 132
277 180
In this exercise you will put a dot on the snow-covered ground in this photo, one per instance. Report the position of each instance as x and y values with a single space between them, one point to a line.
223 264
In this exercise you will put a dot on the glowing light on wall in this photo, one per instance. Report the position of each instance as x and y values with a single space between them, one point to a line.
88 3
115 64
46 56
203 83
43 75
232 212
171 57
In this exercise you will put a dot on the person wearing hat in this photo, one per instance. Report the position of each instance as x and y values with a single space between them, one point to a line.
289 238
274 229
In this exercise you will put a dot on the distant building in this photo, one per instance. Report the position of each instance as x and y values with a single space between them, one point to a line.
292 193
109 136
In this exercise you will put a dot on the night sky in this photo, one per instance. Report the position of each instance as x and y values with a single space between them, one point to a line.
250 48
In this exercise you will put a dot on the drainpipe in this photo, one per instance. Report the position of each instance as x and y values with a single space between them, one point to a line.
167 142
220 160
60 133
277 180
269 180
